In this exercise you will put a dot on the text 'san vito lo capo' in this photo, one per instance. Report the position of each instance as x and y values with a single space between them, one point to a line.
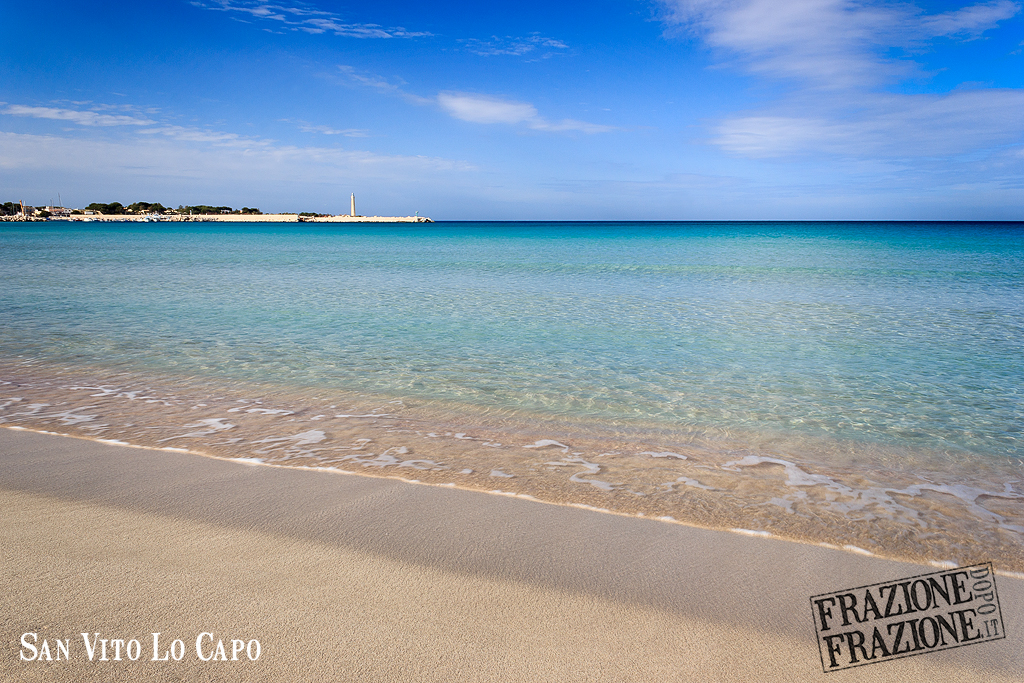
93 648
907 617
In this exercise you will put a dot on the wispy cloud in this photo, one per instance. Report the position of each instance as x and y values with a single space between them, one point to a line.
515 46
327 130
164 149
842 56
892 126
380 84
212 137
485 109
475 108
152 128
830 43
149 133
267 161
273 176
305 17
82 118
146 127
970 21
370 80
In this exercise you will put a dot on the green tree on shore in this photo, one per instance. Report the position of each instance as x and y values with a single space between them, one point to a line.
147 207
117 209
203 209
111 209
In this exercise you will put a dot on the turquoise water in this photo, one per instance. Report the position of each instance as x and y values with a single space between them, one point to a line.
892 333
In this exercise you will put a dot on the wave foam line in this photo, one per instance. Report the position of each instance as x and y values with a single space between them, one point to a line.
256 462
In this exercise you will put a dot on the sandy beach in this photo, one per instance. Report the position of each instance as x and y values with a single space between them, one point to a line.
357 578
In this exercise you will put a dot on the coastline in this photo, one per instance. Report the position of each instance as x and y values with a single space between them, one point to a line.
257 462
694 479
375 578
246 218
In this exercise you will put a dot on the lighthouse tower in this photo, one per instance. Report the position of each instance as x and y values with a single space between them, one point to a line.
353 213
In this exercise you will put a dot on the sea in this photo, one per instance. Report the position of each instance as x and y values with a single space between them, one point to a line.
851 384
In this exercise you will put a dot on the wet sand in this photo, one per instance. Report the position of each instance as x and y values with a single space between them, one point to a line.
343 577
903 504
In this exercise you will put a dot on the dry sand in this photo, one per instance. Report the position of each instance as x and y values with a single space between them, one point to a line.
354 578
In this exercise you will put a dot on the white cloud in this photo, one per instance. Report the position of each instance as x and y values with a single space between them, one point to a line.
476 108
486 109
483 109
272 176
566 125
208 164
840 55
327 130
155 149
381 84
219 138
370 80
831 43
892 126
514 46
304 17
82 118
150 127
970 21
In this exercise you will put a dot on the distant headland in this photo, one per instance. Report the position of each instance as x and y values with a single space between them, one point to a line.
156 212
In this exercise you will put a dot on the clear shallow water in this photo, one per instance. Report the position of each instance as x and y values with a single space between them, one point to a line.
844 383
898 333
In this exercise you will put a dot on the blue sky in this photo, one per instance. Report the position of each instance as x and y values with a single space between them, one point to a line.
670 109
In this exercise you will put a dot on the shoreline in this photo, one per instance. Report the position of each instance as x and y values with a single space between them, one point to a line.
363 577
234 218
255 462
741 487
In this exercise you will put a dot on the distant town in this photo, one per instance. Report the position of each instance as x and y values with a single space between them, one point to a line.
154 211
22 210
